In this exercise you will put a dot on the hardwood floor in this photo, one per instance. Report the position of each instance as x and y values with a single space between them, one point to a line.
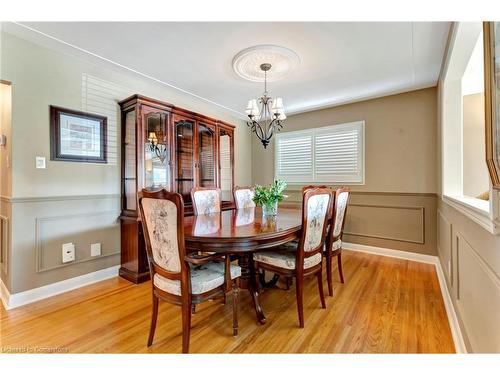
387 305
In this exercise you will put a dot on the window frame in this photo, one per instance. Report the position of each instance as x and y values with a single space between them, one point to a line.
358 125
451 134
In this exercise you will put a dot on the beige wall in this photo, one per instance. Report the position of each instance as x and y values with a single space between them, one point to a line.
5 181
476 179
400 141
73 202
5 129
396 208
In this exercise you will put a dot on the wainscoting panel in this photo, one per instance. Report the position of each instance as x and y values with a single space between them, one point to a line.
444 245
4 243
401 221
478 298
41 225
397 223
81 230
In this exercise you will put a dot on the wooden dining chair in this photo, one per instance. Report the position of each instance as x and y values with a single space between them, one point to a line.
334 240
306 260
206 200
243 197
176 277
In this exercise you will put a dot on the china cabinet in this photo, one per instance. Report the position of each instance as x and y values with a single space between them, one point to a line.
164 146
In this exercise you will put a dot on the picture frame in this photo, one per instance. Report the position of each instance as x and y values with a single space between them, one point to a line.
491 35
77 136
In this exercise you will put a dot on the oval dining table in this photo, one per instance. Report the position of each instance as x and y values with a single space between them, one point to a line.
243 232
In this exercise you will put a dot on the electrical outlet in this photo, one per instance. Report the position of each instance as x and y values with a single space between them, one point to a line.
68 252
40 162
95 249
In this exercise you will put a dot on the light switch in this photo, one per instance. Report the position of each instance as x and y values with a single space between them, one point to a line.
40 162
68 252
95 249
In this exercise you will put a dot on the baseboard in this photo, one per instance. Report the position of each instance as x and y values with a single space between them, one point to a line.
4 294
417 257
456 332
11 301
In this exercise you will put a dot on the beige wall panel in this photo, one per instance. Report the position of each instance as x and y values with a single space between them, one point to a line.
444 246
478 301
475 290
5 241
401 221
41 226
81 230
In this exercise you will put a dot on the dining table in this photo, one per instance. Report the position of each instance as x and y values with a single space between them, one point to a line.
241 233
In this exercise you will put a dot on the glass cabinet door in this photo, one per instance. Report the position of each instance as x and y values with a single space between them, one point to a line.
156 151
184 154
129 162
225 161
206 149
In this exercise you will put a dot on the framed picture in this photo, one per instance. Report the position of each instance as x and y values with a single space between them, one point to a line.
491 33
77 136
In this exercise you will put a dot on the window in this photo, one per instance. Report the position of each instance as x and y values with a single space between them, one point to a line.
331 154
465 178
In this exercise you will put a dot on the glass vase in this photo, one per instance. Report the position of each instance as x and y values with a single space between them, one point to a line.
270 209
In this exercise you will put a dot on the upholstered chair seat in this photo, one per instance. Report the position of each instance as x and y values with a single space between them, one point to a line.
285 259
203 278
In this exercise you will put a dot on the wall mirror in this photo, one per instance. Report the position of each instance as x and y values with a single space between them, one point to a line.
491 32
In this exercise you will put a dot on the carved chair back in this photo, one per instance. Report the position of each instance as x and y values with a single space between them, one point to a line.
206 200
316 204
162 215
308 187
304 188
243 197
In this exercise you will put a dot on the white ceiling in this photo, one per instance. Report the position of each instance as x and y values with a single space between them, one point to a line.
340 61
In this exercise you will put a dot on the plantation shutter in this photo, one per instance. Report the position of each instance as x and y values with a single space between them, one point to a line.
293 158
338 153
332 154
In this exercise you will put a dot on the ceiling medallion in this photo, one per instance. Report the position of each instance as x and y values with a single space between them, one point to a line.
247 62
262 64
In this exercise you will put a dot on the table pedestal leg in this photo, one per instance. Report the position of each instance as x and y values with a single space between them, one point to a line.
249 281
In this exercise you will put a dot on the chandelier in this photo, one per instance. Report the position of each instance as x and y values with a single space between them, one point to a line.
158 148
266 114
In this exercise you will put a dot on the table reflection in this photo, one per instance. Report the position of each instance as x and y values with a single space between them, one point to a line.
245 216
207 224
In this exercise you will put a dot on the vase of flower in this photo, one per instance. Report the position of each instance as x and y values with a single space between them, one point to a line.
270 209
268 197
